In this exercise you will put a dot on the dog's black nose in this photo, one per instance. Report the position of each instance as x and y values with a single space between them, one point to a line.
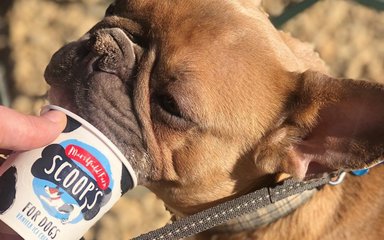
105 50
116 52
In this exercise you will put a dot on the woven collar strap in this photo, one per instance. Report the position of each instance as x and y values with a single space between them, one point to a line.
263 216
221 213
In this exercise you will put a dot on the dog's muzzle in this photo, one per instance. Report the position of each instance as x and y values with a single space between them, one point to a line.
94 77
107 51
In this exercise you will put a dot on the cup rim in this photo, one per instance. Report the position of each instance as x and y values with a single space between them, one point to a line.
102 137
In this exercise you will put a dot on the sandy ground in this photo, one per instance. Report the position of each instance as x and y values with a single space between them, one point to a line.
348 37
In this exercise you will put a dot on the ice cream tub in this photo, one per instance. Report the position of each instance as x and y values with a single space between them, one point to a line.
59 191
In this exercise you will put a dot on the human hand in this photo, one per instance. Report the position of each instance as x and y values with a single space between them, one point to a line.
20 132
23 132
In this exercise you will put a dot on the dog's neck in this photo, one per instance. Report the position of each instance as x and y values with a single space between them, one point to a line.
264 216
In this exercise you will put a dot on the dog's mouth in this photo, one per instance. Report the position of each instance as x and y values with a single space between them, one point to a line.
94 78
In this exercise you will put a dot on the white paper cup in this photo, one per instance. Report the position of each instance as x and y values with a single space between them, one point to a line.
59 191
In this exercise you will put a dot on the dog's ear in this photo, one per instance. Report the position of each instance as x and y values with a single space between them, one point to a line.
330 124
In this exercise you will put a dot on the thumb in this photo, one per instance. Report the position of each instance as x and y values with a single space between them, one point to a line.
23 132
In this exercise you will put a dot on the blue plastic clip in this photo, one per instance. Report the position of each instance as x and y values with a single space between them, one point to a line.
360 172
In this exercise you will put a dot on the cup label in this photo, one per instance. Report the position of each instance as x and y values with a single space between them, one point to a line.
72 180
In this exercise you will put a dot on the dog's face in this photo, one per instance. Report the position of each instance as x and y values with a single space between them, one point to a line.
208 100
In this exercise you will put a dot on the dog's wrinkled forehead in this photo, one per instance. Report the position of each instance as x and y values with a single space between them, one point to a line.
157 10
230 27
188 32
159 17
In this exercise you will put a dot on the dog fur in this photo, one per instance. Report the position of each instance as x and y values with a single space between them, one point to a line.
209 101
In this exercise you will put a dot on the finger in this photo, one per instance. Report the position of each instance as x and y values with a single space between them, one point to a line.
22 132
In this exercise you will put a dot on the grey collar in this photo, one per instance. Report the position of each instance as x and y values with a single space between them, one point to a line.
232 209
263 216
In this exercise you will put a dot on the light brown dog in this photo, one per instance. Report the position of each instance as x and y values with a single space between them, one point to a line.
209 101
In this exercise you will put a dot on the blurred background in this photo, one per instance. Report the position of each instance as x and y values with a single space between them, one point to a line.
347 35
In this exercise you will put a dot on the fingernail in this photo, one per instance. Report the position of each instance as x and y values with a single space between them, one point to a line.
54 116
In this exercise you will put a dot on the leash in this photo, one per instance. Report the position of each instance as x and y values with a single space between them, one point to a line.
375 4
294 9
223 212
291 11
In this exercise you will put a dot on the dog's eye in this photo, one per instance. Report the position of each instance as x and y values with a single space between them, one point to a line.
166 110
168 104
